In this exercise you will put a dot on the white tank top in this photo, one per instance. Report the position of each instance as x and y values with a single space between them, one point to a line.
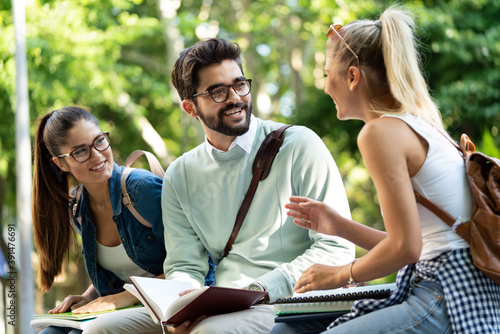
116 260
441 179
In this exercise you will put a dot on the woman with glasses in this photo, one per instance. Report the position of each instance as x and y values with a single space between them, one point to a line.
71 149
373 74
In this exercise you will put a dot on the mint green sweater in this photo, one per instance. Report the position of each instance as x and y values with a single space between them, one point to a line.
201 197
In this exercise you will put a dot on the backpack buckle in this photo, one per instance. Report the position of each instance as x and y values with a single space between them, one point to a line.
126 199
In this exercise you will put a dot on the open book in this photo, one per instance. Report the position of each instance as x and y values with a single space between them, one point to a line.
334 300
161 298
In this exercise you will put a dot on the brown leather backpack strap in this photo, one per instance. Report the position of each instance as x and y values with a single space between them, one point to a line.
261 166
127 201
153 162
268 150
443 215
240 217
155 167
76 194
465 148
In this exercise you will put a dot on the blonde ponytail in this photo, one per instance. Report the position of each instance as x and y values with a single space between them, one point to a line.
390 63
403 67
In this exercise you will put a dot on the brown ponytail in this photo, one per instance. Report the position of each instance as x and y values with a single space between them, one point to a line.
53 231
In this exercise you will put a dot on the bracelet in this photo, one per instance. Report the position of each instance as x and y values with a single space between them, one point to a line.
351 280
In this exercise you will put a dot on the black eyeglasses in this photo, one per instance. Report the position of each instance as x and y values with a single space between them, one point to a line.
82 154
334 29
220 93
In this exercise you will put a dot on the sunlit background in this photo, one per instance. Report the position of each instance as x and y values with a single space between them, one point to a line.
114 57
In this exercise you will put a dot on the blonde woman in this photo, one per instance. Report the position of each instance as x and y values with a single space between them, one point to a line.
373 74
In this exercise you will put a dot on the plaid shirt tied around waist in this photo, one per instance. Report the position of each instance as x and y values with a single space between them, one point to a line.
472 299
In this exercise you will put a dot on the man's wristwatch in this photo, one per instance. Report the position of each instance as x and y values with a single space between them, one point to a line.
256 286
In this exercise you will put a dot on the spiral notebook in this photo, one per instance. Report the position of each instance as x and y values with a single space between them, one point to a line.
335 300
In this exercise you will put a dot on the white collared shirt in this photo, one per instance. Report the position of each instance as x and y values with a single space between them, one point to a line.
244 141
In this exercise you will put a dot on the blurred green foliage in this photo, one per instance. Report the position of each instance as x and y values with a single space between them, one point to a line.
114 58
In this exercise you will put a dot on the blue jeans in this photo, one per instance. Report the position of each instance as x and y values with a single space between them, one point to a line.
60 330
424 311
301 327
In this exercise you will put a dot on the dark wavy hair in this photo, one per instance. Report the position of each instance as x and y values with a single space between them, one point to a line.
191 60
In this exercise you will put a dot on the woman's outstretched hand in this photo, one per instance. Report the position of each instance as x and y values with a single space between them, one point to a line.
314 215
319 277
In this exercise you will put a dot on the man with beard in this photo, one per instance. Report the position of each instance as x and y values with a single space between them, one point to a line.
203 191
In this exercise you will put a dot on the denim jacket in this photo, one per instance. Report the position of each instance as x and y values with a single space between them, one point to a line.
145 246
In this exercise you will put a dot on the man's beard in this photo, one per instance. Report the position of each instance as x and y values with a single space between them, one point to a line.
217 123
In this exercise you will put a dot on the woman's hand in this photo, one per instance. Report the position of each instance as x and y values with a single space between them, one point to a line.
111 302
319 277
314 215
71 302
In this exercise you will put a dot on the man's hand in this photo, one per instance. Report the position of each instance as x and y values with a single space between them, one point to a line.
187 326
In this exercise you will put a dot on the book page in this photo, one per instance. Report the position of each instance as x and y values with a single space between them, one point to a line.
183 301
158 294
131 288
41 323
312 307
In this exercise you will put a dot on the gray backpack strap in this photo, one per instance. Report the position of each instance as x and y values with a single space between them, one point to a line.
155 167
